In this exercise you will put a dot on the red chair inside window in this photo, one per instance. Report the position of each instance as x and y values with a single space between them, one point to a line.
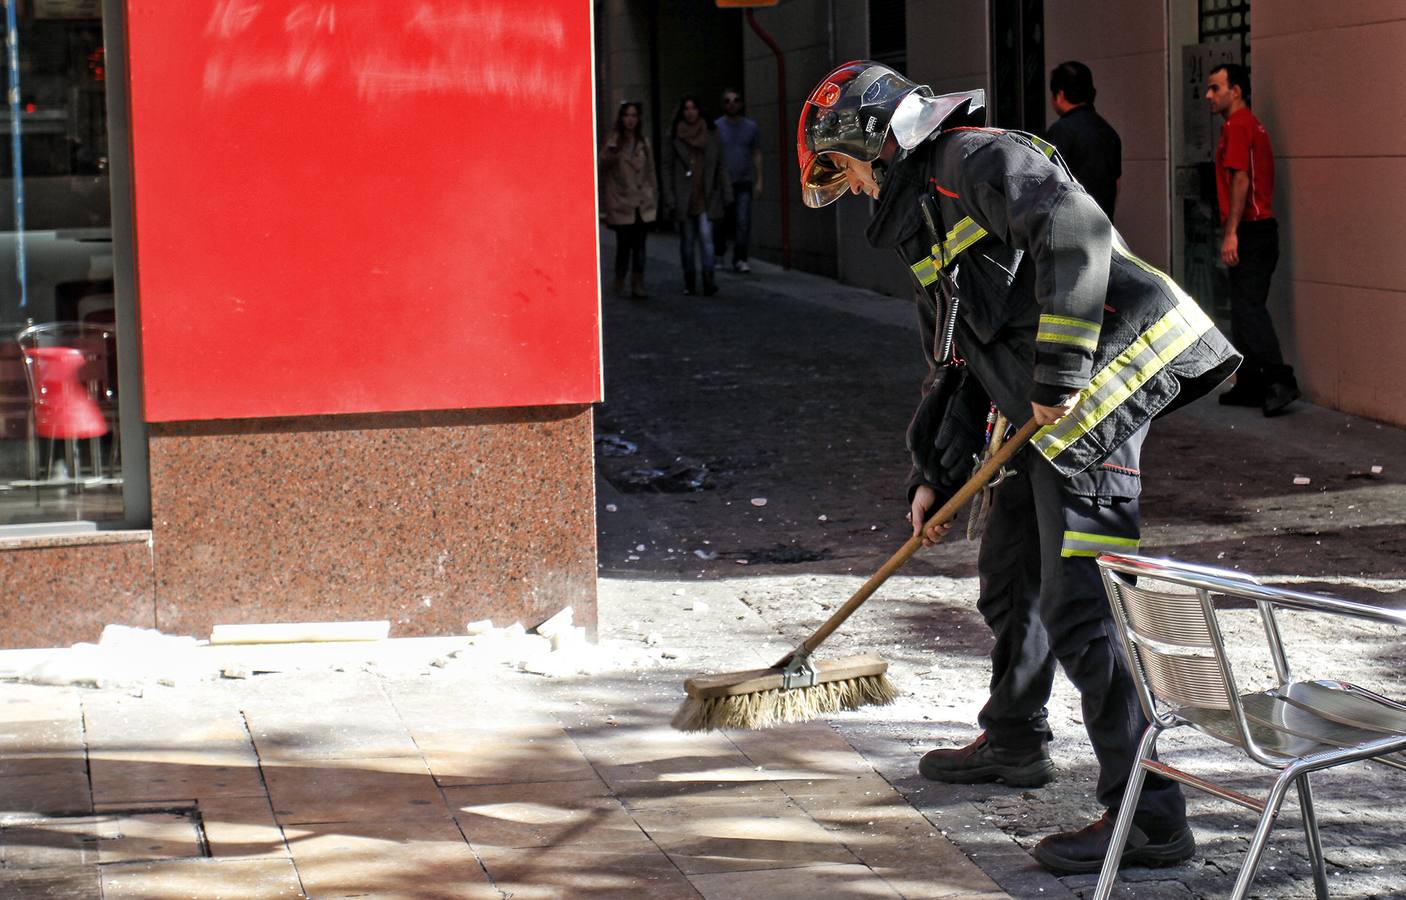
68 368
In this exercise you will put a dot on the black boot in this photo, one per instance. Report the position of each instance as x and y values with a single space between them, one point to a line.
1082 851
690 283
979 762
710 287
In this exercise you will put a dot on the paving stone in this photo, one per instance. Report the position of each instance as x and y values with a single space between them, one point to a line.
722 838
804 883
549 814
348 790
577 871
202 879
24 796
135 837
52 843
228 770
241 827
414 858
455 761
59 883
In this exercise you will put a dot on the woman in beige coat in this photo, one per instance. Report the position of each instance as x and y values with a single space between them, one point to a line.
628 190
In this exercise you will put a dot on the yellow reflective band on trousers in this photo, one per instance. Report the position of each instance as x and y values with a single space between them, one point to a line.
1068 330
1082 543
963 235
1149 354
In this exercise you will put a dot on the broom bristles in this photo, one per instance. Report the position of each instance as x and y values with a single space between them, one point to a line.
778 706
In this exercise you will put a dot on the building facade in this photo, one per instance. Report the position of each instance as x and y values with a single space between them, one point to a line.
1327 85
300 319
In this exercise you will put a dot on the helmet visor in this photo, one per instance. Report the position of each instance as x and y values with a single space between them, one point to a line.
823 181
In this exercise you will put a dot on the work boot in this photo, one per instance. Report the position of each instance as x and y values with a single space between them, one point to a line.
1082 851
710 286
1278 397
618 285
690 283
980 762
637 286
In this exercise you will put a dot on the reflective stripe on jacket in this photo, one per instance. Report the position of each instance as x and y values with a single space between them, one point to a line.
1052 300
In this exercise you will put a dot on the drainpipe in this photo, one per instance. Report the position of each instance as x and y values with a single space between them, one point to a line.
783 141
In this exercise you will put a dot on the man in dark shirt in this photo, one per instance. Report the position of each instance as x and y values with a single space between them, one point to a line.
1085 139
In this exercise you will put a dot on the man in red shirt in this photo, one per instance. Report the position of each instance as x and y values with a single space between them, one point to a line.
1250 246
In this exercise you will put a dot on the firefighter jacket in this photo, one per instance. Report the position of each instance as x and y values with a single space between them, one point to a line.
1049 299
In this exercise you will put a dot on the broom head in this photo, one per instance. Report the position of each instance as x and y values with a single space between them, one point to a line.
757 698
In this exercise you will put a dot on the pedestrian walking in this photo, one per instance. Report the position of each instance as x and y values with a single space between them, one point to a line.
628 190
696 190
742 150
1029 300
1249 243
1090 146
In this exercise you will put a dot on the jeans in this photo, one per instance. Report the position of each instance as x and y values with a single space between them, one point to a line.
740 220
1251 328
629 246
697 229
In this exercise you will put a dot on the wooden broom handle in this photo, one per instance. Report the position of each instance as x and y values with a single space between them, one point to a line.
946 513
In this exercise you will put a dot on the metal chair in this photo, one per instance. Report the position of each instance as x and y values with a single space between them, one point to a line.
1168 624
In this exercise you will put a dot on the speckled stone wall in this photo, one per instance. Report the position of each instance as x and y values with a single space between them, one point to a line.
56 591
428 519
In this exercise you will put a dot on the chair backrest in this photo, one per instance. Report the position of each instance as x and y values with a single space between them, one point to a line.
1166 613
71 377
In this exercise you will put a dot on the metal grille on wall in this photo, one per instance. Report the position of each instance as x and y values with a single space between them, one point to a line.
888 33
1018 64
1227 20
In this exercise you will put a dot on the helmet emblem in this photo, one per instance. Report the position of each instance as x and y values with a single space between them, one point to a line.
871 93
870 125
826 94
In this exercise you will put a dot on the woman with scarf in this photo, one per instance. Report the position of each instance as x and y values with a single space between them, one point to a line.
696 189
627 195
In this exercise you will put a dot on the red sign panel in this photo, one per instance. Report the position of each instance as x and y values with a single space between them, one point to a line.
363 207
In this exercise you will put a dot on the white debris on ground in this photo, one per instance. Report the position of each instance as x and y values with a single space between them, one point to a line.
555 648
122 657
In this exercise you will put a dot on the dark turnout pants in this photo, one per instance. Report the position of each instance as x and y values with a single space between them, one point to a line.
1044 605
1251 327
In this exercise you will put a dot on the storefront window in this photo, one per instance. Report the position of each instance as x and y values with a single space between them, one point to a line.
60 455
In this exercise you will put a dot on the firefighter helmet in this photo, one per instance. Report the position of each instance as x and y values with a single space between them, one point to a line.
854 109
848 113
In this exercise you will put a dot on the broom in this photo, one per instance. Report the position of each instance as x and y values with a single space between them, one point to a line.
796 689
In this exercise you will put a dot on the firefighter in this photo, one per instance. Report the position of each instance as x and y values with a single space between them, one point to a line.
1028 300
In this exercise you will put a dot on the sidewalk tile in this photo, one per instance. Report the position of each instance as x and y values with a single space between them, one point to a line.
666 795
724 838
40 737
411 858
49 843
829 881
550 814
553 757
24 796
137 837
241 827
202 879
570 872
62 883
47 762
815 749
349 790
170 775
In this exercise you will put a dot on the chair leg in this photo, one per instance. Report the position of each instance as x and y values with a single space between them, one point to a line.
1315 842
1109 874
1272 804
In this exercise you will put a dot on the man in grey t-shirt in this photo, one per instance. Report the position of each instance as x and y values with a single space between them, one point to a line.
742 151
